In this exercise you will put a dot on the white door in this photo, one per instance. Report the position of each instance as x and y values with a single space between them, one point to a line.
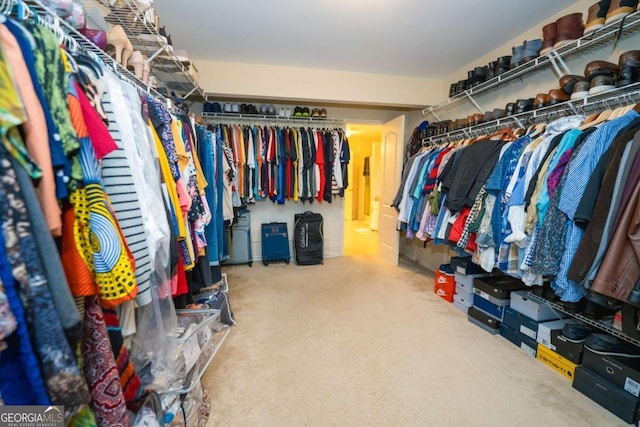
391 151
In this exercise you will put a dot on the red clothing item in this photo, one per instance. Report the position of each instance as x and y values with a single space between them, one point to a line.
181 278
101 139
458 227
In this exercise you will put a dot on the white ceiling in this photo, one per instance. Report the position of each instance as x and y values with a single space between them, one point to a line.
419 38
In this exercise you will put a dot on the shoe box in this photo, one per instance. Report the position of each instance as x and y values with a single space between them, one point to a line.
521 323
570 350
464 266
464 282
606 394
545 328
483 320
556 362
531 308
494 310
524 342
462 302
445 283
623 372
497 289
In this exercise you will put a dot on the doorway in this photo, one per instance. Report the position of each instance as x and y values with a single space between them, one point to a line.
362 198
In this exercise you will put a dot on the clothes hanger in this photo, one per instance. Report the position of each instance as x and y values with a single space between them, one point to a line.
602 117
537 130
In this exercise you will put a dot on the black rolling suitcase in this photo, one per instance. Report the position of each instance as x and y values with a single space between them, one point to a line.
275 242
307 238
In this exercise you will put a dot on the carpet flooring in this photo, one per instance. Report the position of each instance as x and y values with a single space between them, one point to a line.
358 342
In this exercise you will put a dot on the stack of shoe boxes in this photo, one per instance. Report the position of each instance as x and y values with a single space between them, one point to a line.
521 320
547 351
491 296
445 283
465 272
463 299
611 377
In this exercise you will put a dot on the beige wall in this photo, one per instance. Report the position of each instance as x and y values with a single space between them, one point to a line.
276 82
540 81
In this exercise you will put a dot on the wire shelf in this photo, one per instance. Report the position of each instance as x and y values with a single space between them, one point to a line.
595 323
605 35
617 97
144 37
288 120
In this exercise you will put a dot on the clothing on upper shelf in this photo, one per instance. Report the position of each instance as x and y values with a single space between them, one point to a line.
283 164
555 205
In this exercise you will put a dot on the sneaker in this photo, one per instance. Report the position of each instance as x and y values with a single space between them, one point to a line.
608 345
297 112
263 109
576 332
271 110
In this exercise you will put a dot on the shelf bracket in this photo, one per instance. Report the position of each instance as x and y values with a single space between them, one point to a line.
158 52
435 115
558 64
473 101
519 123
195 88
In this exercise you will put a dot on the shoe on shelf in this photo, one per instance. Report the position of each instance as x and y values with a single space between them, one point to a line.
577 332
228 108
549 36
541 100
570 28
452 90
596 17
323 112
183 57
281 112
139 66
619 9
568 81
556 96
580 89
263 109
143 5
97 37
531 50
516 55
305 112
503 65
297 112
600 68
608 345
119 42
271 110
